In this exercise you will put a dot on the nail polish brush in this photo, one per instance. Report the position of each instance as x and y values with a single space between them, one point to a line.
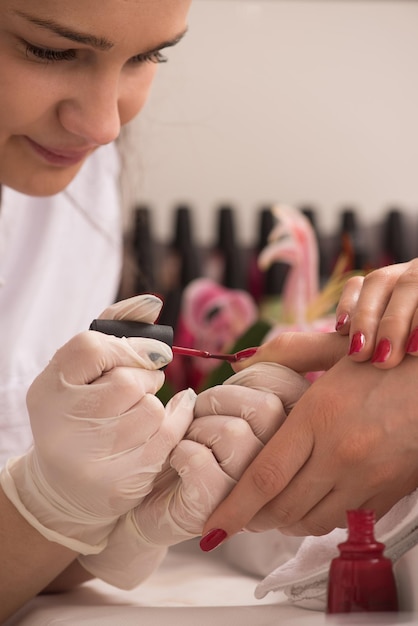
165 333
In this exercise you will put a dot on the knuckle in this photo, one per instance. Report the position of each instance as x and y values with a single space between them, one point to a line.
268 478
409 277
413 267
215 399
379 276
271 516
353 284
282 516
316 526
355 449
89 338
210 401
83 343
350 452
392 319
236 427
278 344
124 379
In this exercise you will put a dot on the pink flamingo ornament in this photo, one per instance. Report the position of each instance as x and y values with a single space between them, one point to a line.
212 318
293 241
303 306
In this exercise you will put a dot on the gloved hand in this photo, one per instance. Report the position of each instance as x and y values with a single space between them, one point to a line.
232 422
100 434
273 378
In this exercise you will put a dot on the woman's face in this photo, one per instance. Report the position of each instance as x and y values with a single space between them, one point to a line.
72 72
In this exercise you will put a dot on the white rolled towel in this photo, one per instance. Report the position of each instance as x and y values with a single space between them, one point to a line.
304 578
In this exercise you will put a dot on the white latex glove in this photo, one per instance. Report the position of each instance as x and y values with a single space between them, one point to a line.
100 434
272 378
231 424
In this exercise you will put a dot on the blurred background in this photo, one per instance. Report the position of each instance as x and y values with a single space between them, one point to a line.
306 102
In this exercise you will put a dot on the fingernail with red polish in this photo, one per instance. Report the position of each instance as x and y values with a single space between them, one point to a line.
245 354
212 539
382 352
341 321
357 343
412 343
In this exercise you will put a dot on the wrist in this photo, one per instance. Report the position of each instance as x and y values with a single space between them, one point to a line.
46 511
128 559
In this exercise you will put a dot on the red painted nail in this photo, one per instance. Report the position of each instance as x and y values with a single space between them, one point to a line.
245 354
212 539
341 321
412 343
357 343
382 352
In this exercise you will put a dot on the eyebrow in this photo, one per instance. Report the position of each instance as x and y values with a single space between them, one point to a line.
96 42
100 43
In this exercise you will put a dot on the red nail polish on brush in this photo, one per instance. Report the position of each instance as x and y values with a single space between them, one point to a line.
361 578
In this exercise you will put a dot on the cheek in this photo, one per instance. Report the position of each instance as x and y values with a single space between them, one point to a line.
135 92
18 113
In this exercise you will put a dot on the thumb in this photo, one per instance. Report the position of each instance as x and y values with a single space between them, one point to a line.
90 355
143 308
300 351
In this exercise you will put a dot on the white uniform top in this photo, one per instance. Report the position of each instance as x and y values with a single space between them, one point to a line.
60 263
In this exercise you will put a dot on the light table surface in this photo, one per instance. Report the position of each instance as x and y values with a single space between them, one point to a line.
189 589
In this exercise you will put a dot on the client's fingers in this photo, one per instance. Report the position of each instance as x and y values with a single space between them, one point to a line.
347 303
300 351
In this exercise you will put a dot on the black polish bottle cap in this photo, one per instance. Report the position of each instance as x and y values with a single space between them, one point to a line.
129 328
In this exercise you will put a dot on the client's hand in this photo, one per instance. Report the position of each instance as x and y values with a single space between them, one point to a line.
351 441
380 314
100 434
232 423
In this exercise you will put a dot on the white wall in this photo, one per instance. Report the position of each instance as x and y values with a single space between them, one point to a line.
296 101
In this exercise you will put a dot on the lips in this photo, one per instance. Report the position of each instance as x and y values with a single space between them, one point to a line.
58 156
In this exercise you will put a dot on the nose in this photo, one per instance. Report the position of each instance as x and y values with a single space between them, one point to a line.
92 112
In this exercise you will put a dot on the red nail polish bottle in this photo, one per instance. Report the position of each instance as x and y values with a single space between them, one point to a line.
361 579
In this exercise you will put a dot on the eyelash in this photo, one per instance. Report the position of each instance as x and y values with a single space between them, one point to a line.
151 57
45 54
